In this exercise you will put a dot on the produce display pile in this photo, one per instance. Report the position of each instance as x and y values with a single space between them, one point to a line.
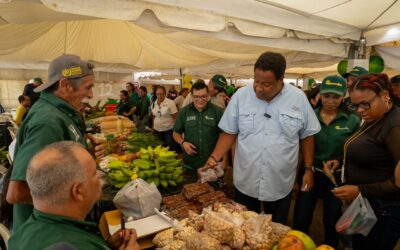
221 227
3 155
195 197
208 220
158 165
136 141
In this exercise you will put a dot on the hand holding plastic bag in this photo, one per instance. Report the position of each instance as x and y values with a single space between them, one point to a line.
207 173
138 199
358 218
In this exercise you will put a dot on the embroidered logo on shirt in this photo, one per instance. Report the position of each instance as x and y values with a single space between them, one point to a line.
73 130
191 118
337 127
208 118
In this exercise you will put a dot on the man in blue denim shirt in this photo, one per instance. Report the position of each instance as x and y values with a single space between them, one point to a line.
270 121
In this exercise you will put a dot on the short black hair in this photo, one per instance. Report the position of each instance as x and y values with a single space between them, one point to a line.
124 92
199 85
21 98
270 61
143 88
131 84
160 87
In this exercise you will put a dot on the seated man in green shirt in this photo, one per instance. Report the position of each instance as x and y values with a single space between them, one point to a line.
65 185
198 122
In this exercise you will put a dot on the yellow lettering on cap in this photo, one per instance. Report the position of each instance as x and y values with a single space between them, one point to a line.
72 72
334 83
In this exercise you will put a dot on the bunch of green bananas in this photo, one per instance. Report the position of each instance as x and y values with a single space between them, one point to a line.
121 173
158 165
3 155
141 140
167 170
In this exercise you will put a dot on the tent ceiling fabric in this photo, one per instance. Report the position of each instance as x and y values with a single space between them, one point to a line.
207 15
207 36
123 46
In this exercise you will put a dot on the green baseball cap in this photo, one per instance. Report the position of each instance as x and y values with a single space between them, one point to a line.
219 81
333 84
356 71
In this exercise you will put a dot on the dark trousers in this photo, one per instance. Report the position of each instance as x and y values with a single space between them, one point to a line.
166 137
386 232
279 209
305 205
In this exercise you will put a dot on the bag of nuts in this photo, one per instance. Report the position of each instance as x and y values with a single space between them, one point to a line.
218 227
258 230
202 241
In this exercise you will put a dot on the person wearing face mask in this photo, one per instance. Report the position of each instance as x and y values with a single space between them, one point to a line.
199 123
370 159
337 124
54 117
270 121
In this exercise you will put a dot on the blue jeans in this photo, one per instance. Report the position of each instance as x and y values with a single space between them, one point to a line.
305 205
279 209
386 232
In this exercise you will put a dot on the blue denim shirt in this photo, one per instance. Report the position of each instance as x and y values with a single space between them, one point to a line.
267 145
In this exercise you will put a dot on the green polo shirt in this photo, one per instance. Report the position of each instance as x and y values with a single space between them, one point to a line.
134 98
42 230
330 139
51 119
142 107
200 129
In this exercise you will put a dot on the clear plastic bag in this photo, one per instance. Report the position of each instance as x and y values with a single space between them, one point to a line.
358 218
207 174
138 199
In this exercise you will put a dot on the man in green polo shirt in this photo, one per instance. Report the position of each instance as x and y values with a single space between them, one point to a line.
65 185
53 118
198 122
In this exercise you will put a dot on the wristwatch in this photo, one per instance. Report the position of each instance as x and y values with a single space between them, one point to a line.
312 168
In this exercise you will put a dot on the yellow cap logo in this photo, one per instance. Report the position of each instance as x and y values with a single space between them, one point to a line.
328 82
71 72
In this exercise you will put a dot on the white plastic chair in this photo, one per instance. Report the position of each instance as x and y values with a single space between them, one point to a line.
5 234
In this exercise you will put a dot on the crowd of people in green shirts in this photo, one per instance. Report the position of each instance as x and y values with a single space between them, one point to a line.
54 183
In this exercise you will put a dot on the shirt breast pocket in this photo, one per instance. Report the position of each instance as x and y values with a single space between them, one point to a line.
291 123
246 123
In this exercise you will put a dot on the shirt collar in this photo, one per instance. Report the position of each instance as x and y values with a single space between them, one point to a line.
340 114
58 219
59 103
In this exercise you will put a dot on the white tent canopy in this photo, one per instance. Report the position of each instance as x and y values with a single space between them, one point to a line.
204 36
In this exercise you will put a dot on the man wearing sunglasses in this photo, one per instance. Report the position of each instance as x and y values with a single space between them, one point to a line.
199 122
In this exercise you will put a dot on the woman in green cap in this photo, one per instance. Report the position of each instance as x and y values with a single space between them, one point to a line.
337 124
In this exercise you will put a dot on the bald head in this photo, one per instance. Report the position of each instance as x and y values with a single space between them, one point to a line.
52 172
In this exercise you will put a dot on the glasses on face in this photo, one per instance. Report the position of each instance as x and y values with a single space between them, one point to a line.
198 97
160 94
362 105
